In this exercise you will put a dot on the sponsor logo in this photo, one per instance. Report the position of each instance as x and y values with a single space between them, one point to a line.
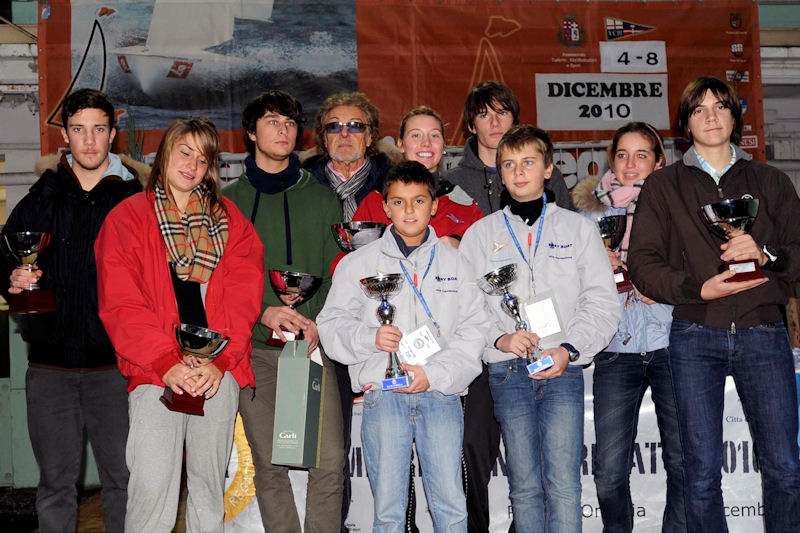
619 29
749 141
737 49
316 385
497 246
735 20
180 69
287 435
743 103
736 75
571 34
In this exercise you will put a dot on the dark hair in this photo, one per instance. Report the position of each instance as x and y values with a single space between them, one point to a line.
409 172
417 111
488 94
205 133
358 100
693 95
276 102
644 129
87 99
524 134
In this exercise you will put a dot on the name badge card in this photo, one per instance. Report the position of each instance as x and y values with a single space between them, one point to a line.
542 317
394 383
416 347
539 365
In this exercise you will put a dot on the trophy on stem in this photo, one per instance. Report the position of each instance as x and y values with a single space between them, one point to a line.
353 235
725 217
497 283
381 287
612 230
197 343
290 283
25 247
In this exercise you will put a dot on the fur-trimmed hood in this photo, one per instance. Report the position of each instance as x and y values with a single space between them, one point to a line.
583 196
137 168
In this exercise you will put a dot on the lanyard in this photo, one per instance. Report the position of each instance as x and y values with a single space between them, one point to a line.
417 291
538 235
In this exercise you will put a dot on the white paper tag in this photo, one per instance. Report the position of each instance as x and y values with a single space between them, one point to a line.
619 277
417 346
288 334
542 318
316 356
739 268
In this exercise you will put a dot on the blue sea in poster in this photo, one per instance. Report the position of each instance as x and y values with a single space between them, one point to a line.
307 48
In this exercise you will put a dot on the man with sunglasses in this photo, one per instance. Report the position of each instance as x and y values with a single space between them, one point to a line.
351 165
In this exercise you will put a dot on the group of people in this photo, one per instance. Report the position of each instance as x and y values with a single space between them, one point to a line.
136 251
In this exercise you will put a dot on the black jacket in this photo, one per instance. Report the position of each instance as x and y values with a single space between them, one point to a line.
72 336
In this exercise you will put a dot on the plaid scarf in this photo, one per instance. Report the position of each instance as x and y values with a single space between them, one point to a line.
194 242
346 190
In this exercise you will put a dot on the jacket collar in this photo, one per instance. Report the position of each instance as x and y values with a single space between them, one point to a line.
390 247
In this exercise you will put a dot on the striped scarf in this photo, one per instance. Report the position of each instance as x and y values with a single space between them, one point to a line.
194 242
346 190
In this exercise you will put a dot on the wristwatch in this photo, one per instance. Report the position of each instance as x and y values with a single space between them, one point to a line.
573 353
771 253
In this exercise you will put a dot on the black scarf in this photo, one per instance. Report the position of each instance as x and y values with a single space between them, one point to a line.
527 211
272 183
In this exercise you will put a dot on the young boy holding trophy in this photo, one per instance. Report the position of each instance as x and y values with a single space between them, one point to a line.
436 322
554 304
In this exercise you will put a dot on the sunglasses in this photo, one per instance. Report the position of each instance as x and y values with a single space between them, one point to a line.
352 127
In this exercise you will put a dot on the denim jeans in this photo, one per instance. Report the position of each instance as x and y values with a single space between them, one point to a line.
760 361
391 422
620 381
542 426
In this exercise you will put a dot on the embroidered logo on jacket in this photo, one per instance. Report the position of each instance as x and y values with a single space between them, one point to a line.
497 246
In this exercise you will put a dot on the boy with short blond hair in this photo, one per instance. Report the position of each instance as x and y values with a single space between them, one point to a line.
569 313
438 299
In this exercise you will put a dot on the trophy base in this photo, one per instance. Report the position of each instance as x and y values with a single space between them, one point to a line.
623 283
400 382
183 403
31 302
746 270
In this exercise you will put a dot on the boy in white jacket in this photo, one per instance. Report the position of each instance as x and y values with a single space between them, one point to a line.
568 298
437 298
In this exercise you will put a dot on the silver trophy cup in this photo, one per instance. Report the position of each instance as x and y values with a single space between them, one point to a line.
725 217
196 343
381 287
497 283
299 284
25 247
353 235
612 230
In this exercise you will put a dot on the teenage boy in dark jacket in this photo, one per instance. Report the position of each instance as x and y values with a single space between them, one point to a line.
723 326
72 382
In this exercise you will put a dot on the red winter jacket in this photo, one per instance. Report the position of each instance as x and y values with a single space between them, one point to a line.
137 302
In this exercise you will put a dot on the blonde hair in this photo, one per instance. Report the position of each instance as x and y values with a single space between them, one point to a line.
205 134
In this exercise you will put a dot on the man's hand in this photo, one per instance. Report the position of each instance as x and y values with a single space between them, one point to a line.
560 363
176 379
420 382
205 379
387 339
740 247
21 279
311 335
520 342
716 286
614 259
276 317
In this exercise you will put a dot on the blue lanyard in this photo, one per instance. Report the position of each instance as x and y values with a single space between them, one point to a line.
538 235
417 291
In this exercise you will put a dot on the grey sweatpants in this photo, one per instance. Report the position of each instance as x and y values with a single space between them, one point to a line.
154 456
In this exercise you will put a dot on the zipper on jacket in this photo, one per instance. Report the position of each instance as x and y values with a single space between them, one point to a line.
733 328
719 190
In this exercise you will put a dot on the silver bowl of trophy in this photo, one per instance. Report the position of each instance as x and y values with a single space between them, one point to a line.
26 248
353 235
496 283
381 287
612 230
199 346
727 216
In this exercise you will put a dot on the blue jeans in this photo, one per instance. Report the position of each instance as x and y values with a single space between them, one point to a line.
760 361
620 381
391 422
542 426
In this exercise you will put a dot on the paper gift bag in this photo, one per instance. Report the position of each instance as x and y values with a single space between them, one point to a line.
298 407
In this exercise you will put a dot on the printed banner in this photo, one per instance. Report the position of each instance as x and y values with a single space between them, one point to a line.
741 480
163 59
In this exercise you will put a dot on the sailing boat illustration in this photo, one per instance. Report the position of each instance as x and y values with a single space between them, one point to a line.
175 56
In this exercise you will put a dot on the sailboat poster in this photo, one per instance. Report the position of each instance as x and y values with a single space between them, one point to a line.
164 59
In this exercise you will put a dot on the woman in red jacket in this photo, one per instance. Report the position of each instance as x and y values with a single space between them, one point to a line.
179 253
